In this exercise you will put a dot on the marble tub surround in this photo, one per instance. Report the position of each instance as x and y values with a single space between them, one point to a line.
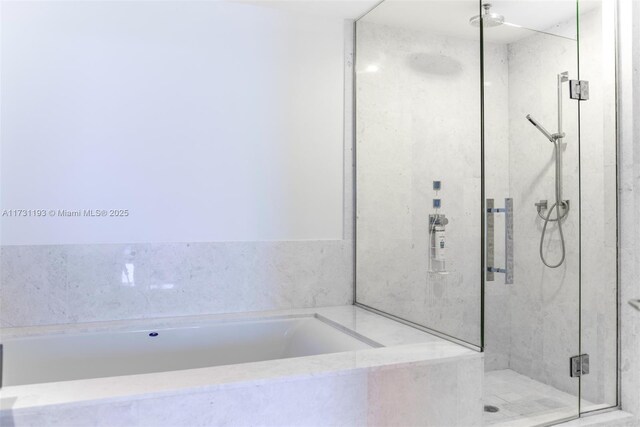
420 364
87 283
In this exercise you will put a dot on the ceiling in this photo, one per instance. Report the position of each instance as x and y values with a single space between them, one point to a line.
451 17
343 9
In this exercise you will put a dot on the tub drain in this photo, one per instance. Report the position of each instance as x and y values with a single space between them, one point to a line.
490 408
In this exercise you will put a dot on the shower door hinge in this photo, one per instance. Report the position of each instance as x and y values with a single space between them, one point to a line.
579 89
579 365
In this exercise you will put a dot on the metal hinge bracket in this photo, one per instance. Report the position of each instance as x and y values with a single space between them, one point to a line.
579 365
579 89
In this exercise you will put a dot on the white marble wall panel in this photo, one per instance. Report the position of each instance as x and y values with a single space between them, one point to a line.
86 283
629 163
348 228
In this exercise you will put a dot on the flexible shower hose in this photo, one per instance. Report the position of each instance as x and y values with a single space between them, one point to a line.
559 217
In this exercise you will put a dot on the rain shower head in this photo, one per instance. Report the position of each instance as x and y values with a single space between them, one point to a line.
541 128
488 18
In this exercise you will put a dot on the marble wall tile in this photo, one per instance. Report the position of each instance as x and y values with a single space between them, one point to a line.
629 133
99 284
86 283
34 285
349 153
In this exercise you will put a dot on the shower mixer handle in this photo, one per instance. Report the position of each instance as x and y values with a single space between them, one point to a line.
543 205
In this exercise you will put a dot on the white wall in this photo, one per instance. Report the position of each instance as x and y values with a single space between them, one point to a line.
208 121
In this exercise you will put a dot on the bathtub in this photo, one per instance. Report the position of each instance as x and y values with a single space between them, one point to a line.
43 359
304 367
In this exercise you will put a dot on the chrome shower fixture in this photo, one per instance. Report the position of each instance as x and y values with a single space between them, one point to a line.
551 137
488 18
560 206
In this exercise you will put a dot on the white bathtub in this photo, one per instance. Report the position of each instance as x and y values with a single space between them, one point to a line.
299 367
45 359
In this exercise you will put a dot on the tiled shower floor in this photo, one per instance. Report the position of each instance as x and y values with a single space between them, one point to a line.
525 402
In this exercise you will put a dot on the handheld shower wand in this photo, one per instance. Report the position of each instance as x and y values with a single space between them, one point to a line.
556 139
553 138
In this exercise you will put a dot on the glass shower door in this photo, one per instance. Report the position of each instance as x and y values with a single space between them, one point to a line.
598 323
532 203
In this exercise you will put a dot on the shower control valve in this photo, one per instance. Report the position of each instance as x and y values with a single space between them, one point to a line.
542 205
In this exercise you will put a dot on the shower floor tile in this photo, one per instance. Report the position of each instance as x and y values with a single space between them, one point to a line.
524 402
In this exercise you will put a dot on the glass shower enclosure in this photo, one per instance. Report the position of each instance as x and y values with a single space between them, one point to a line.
486 191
